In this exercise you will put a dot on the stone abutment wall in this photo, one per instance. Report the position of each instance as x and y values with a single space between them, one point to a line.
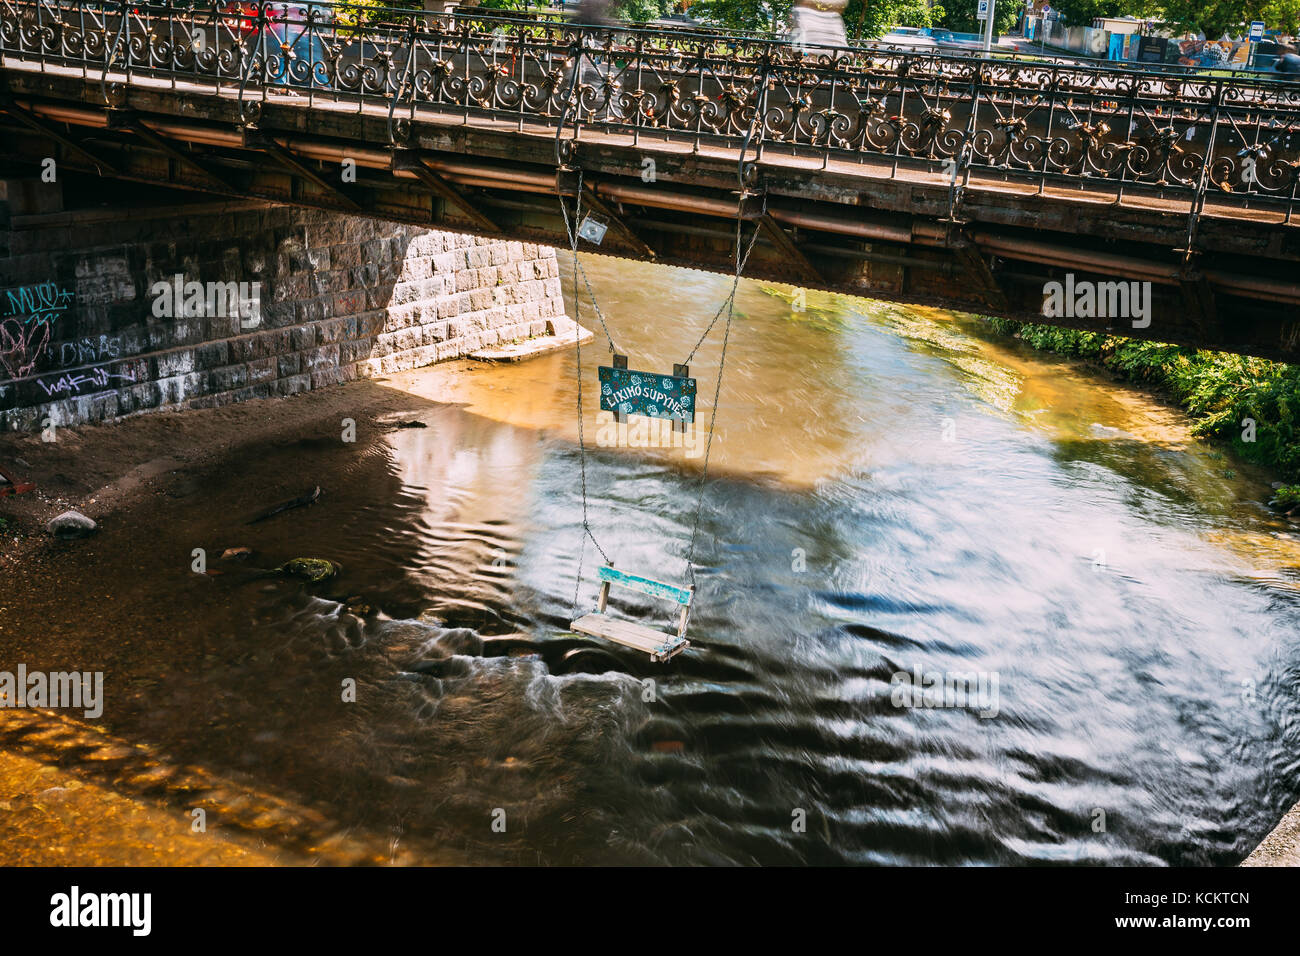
115 311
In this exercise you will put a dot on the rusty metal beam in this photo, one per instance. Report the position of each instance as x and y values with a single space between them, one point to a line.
408 160
33 122
129 120
9 485
975 265
254 139
783 242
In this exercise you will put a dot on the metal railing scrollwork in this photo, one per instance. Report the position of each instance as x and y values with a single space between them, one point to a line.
1052 124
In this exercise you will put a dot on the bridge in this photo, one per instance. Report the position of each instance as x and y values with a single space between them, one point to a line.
948 180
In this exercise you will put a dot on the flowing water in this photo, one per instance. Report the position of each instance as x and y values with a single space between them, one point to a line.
888 493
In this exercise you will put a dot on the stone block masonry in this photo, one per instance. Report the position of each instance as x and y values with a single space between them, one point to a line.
339 297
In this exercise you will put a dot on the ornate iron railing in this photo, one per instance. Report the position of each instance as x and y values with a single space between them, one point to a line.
1046 123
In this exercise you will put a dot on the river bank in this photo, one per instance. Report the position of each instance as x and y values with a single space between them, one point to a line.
99 469
1282 845
1247 403
57 810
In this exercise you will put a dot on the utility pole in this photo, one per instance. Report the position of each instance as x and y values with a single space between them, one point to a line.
988 27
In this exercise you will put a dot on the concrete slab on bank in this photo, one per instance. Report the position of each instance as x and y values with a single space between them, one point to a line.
1282 846
562 333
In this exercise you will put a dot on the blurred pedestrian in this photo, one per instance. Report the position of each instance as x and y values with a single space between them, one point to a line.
1287 61
593 13
818 23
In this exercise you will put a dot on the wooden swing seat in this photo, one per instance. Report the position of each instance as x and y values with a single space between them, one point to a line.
660 645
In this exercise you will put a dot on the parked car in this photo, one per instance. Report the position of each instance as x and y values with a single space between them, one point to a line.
908 38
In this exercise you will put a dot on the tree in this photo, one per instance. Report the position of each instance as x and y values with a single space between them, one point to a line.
1081 13
960 16
863 19
743 14
1214 18
1282 15
869 19
640 11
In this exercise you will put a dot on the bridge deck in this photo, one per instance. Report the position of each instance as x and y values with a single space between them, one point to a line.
807 161
932 180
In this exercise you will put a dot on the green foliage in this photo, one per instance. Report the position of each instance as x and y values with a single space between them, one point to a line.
1282 15
959 16
743 14
358 13
1081 13
868 19
1214 18
640 11
863 19
1063 341
1219 390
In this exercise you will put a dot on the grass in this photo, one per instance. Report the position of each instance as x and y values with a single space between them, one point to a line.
1288 496
1251 403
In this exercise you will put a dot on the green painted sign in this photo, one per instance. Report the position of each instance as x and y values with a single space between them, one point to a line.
629 392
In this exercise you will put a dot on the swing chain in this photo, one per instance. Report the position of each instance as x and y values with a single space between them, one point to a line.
571 228
746 174
731 298
582 443
565 152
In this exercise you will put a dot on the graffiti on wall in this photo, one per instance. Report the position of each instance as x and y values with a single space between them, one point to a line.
76 383
1214 54
27 314
87 351
27 317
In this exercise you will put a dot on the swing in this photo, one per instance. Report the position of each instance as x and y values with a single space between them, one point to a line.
660 645
663 396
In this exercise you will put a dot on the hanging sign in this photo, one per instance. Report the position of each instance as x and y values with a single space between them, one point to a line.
625 391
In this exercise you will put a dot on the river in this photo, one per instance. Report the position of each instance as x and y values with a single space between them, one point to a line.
890 492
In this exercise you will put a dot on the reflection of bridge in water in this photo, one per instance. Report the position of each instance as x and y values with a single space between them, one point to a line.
946 180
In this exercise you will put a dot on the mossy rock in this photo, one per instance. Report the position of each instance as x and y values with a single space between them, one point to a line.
312 569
